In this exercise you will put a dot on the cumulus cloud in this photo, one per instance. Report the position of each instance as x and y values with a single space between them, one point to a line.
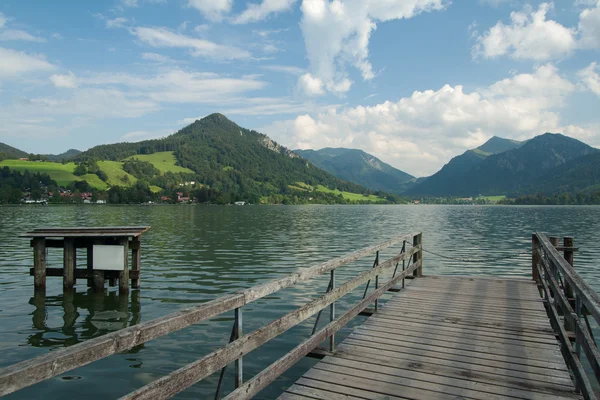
116 22
163 37
528 36
260 11
589 26
212 10
16 63
310 85
420 133
590 77
64 81
337 34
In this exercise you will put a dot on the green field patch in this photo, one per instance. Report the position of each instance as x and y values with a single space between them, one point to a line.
155 189
227 168
163 161
293 187
350 196
115 173
61 173
304 185
491 198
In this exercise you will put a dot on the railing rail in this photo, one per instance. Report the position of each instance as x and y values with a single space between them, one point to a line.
569 296
32 371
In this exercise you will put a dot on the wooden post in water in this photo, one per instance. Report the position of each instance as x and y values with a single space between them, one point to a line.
124 275
39 264
90 263
136 260
417 240
69 261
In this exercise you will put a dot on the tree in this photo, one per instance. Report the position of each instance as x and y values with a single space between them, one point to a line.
80 170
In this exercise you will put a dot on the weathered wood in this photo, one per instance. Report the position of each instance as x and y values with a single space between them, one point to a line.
39 263
268 375
568 255
534 258
183 378
81 273
89 265
29 372
124 274
116 231
136 261
69 264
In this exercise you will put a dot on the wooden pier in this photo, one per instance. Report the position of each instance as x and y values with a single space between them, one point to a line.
121 238
438 337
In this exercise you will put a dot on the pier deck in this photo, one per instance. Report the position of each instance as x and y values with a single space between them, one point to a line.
447 338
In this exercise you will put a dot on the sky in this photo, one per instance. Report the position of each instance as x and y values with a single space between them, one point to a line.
413 82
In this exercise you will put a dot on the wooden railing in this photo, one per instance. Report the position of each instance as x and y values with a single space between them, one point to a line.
570 301
32 371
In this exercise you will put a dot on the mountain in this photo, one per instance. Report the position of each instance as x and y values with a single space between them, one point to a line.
359 167
514 171
11 152
66 156
236 162
444 182
579 175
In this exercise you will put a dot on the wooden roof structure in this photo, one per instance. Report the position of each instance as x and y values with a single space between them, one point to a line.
106 231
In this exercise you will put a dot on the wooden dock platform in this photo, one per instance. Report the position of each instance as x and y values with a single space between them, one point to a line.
447 338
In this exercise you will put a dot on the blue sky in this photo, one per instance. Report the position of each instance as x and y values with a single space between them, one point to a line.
414 82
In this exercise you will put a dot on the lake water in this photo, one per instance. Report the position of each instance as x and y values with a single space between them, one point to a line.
195 253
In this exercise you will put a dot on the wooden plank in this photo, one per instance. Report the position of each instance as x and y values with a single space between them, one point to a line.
315 393
450 329
471 302
344 390
458 370
512 353
412 379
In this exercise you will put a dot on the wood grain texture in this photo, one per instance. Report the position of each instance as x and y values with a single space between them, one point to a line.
449 337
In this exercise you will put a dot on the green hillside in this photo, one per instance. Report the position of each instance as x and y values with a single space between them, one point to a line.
61 173
359 167
164 161
7 151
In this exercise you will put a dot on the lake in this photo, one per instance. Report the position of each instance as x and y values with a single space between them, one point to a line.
195 253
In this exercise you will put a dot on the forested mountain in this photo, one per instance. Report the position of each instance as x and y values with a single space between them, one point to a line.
7 151
359 167
445 181
581 175
66 156
517 171
235 162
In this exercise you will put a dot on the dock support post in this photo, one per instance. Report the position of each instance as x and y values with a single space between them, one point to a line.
535 259
124 275
39 264
90 263
417 240
69 261
239 366
136 260
332 313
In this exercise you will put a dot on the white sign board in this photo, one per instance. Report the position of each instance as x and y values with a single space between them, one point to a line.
109 258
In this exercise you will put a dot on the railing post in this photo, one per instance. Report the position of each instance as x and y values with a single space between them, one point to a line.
239 366
376 282
332 313
417 240
554 241
535 258
403 260
568 254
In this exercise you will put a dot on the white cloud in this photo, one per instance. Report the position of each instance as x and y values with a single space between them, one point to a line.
589 26
260 11
16 34
162 37
116 22
159 58
337 33
286 69
129 3
2 20
529 36
590 76
64 81
201 28
14 63
310 85
420 133
212 10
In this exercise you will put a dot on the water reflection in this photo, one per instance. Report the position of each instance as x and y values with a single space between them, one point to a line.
85 315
